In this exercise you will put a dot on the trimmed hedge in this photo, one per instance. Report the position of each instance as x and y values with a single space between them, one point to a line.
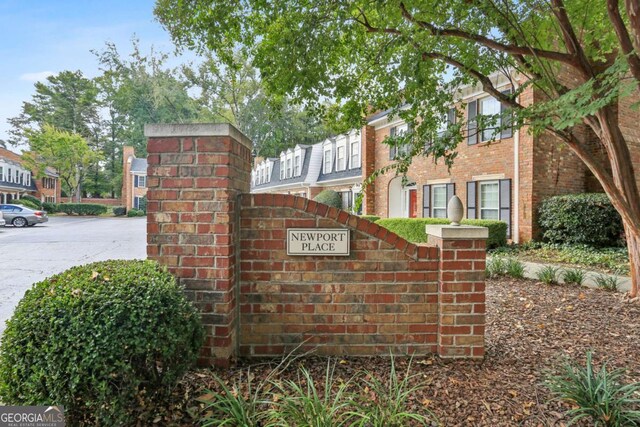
51 207
587 219
329 197
82 208
119 210
413 229
32 199
371 218
107 340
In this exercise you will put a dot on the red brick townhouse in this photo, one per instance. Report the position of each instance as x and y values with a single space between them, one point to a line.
16 180
134 178
505 179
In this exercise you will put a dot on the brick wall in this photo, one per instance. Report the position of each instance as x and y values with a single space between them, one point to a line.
384 295
195 175
256 300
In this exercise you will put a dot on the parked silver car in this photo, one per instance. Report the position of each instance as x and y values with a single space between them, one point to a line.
2 221
20 216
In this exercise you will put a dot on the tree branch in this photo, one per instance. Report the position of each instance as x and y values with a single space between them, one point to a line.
571 40
488 42
623 37
633 12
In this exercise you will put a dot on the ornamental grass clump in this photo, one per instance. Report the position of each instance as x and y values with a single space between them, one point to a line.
106 340
598 395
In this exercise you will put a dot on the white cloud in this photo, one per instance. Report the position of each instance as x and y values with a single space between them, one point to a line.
36 77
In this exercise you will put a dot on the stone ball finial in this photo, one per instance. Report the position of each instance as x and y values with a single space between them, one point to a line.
455 210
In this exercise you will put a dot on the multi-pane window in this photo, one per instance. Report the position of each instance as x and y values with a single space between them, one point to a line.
327 160
489 200
2 173
340 158
355 154
142 181
289 168
48 182
489 107
296 166
439 201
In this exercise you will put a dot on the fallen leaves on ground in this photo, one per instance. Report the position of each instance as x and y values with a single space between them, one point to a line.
530 328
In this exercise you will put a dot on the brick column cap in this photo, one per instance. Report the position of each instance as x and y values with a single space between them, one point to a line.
174 130
458 232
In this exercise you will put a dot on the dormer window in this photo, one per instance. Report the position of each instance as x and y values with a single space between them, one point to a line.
354 161
327 160
296 166
283 161
341 154
289 166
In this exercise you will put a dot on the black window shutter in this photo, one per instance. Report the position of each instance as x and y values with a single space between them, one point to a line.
135 181
426 201
471 200
505 204
505 116
472 124
392 147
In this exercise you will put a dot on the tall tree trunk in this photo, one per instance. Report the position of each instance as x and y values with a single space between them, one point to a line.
633 247
78 189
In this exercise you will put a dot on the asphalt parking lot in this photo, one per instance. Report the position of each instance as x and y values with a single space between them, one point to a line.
28 255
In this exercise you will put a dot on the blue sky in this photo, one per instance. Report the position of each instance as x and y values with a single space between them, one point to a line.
39 37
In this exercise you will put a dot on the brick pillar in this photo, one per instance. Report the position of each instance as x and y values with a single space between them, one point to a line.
368 150
461 289
196 173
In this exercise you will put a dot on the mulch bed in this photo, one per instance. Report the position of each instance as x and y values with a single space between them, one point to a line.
530 328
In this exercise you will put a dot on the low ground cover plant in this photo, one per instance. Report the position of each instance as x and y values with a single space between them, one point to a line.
607 259
548 274
596 394
573 276
607 282
104 340
499 266
360 400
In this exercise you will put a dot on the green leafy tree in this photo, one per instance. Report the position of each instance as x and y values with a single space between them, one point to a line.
234 93
137 90
66 152
376 55
67 100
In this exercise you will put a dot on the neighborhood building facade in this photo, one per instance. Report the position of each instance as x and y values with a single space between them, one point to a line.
16 180
501 177
134 179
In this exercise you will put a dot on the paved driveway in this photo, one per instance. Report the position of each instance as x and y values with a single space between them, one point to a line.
28 255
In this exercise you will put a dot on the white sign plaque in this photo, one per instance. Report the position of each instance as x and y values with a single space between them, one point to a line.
318 241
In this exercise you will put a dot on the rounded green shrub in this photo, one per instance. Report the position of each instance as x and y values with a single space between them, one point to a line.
105 340
588 219
119 210
50 207
26 203
32 199
329 197
135 212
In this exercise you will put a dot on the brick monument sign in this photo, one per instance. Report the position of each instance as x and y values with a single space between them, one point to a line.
270 271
